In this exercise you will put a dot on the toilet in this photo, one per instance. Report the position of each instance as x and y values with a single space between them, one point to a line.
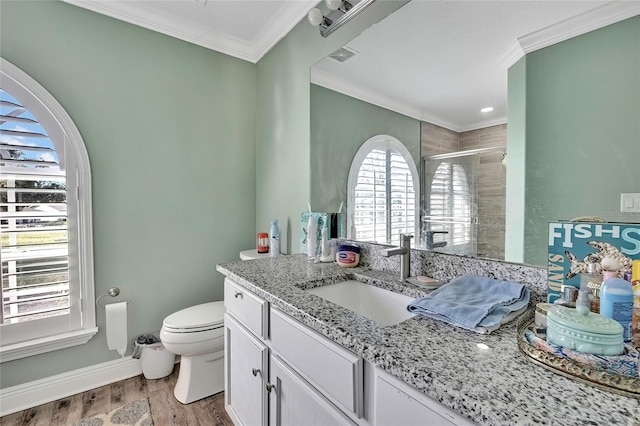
197 335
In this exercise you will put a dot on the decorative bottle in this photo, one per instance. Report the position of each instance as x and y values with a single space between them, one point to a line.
275 238
590 279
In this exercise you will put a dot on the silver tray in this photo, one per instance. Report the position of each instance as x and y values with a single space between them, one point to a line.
608 381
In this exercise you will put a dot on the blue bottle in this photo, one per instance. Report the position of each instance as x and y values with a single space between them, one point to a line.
274 248
616 301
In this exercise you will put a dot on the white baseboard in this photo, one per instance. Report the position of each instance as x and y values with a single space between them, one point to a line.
42 391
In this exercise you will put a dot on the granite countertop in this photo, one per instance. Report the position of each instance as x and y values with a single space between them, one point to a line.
494 386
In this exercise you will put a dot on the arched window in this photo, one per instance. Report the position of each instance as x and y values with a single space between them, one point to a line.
45 211
382 188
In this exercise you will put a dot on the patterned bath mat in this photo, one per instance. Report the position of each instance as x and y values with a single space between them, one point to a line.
133 414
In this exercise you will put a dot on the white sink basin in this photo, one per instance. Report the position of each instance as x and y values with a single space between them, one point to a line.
380 305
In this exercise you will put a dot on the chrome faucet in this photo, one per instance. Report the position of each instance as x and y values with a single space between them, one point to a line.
404 251
430 243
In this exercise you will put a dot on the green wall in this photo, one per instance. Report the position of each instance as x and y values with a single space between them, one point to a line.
170 131
582 130
283 187
339 125
516 158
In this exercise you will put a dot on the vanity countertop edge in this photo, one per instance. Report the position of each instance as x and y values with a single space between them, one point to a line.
482 377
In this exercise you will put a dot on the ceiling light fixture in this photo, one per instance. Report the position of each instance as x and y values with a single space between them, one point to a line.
486 109
340 12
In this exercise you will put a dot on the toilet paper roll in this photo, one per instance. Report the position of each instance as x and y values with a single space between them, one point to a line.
117 327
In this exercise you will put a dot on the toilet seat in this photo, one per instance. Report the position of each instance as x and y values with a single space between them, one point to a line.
169 337
198 318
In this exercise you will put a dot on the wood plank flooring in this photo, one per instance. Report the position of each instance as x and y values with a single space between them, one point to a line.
165 409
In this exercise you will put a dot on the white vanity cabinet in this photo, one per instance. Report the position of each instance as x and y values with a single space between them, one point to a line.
264 388
246 372
294 402
279 372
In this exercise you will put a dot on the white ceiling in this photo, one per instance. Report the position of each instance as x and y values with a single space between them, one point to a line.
438 61
442 61
246 29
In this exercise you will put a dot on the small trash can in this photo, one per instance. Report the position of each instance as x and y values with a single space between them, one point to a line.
156 361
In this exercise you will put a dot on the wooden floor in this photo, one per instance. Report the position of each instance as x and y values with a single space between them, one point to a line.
165 409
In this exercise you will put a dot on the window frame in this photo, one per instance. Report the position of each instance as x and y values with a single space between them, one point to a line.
73 157
380 142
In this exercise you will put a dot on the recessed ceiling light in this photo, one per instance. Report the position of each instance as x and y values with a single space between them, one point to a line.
487 109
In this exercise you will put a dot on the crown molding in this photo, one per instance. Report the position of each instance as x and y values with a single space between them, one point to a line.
592 20
252 51
332 82
280 25
337 84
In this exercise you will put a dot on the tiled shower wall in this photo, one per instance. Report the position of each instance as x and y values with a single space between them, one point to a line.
491 177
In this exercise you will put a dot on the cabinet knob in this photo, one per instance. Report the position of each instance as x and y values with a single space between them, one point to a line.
237 294
255 372
270 387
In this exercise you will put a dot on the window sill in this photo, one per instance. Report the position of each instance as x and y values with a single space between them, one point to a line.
46 344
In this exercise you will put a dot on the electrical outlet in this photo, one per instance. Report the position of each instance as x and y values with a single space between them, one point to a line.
630 202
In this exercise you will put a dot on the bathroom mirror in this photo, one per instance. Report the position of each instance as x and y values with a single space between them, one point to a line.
372 70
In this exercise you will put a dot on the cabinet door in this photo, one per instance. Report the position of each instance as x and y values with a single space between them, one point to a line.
396 404
245 374
293 402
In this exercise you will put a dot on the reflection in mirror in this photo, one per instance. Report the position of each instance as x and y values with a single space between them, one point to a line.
382 187
464 190
429 68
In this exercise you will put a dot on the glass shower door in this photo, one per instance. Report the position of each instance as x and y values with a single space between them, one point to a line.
449 222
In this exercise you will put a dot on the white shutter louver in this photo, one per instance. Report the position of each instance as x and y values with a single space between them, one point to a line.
384 198
34 236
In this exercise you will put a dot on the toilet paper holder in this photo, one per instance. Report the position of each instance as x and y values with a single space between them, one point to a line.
113 292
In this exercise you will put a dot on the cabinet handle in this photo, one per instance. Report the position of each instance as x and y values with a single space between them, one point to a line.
237 294
255 372
270 387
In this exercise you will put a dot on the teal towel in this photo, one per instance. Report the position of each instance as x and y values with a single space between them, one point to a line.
471 301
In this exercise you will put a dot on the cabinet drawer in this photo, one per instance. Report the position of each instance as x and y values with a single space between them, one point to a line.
252 311
327 366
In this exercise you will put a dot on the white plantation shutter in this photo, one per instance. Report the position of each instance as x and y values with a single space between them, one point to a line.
45 225
35 251
450 203
382 192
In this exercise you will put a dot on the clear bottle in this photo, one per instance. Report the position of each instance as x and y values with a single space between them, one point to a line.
275 238
590 279
312 238
616 302
569 297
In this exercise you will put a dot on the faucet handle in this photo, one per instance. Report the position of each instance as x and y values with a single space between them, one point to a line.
405 240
